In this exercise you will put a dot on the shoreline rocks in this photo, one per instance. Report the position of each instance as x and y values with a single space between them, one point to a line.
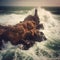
25 33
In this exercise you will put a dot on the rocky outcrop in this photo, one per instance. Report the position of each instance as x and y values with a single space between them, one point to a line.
25 33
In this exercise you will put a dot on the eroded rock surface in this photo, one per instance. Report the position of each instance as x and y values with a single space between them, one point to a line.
25 33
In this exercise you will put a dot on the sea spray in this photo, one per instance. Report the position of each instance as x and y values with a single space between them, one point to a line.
41 50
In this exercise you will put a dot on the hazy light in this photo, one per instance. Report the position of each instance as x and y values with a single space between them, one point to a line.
30 2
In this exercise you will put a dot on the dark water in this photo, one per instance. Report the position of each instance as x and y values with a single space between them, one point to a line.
11 9
54 10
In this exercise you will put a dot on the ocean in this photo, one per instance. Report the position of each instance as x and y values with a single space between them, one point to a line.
45 50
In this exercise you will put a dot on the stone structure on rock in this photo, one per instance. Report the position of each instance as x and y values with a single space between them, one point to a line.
25 33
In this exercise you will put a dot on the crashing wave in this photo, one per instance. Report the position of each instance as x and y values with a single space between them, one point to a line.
42 50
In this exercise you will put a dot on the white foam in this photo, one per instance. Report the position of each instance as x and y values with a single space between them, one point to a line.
51 30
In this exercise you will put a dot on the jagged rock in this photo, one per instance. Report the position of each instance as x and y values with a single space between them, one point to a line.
25 33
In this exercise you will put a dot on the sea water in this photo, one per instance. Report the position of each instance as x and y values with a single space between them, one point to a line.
45 50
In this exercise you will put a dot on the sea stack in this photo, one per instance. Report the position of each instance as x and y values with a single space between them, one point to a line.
26 32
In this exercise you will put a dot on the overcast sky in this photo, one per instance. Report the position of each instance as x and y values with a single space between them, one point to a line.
29 2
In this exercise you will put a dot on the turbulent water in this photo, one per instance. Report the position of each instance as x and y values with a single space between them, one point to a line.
45 50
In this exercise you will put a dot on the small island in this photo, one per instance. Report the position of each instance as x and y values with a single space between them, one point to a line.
25 32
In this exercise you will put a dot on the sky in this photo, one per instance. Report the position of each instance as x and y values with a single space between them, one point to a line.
29 2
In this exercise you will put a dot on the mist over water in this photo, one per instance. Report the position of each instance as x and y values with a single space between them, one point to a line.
41 50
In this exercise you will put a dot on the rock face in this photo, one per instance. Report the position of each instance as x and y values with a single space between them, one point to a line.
25 33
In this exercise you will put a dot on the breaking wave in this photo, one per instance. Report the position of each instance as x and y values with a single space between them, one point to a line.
41 50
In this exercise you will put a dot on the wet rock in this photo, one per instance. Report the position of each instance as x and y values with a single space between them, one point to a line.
25 33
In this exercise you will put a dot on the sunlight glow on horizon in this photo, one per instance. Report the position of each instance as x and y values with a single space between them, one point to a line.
29 3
